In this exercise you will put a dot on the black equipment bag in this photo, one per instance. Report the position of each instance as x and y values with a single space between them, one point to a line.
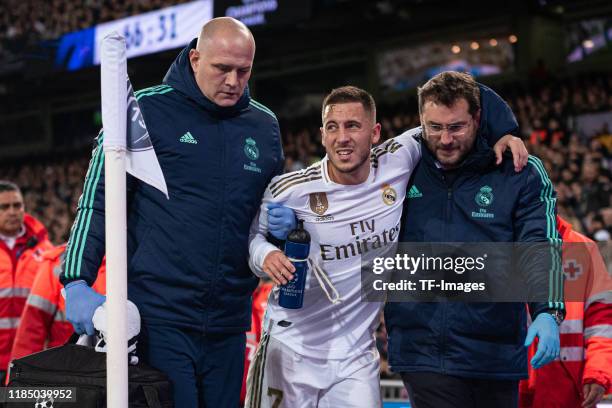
84 369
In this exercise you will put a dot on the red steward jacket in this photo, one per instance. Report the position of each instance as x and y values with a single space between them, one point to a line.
17 271
43 321
586 333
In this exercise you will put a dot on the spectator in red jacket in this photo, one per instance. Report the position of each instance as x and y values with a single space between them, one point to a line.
22 240
581 376
43 320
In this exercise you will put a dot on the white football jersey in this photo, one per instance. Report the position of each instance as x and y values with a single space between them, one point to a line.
345 222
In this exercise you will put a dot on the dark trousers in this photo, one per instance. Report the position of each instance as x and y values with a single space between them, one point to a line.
433 390
205 370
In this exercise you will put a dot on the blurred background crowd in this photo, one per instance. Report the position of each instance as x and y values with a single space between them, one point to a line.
580 165
25 22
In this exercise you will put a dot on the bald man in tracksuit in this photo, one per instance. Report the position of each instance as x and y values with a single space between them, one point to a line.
187 256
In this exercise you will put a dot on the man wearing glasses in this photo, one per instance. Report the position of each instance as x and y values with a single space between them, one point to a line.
22 239
470 355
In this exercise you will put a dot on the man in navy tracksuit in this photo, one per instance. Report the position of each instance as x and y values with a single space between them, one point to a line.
471 354
187 256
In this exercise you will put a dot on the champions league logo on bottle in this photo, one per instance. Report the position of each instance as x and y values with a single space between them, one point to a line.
297 248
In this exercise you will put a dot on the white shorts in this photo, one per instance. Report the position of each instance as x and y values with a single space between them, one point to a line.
280 378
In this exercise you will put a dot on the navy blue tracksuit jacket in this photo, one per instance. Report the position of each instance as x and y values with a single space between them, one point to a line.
476 340
187 256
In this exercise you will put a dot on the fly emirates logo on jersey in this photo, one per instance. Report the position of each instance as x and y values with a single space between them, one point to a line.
364 238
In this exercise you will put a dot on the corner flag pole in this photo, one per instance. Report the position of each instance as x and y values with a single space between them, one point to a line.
114 119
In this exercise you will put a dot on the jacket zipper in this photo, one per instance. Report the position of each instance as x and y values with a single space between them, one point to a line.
214 281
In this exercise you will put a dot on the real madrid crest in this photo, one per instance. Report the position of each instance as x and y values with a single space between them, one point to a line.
318 203
250 149
388 195
484 197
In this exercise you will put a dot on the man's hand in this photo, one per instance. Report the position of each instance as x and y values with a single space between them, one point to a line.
518 149
81 304
545 327
593 394
278 267
281 220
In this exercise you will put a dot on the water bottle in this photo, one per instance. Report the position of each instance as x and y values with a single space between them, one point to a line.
297 247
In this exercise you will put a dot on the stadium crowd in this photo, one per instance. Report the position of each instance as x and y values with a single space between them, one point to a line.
23 23
51 19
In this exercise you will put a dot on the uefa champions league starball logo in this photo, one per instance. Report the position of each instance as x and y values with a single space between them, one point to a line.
44 403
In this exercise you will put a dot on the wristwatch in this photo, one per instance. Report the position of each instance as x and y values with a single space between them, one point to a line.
557 314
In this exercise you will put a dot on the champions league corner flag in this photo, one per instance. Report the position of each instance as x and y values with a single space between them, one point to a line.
127 146
141 161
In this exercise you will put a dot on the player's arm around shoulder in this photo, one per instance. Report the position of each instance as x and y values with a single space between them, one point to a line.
403 151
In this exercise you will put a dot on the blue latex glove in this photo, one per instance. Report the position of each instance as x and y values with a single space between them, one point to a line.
545 327
281 220
81 304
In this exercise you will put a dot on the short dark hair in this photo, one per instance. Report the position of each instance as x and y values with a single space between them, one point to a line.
6 185
447 88
348 94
